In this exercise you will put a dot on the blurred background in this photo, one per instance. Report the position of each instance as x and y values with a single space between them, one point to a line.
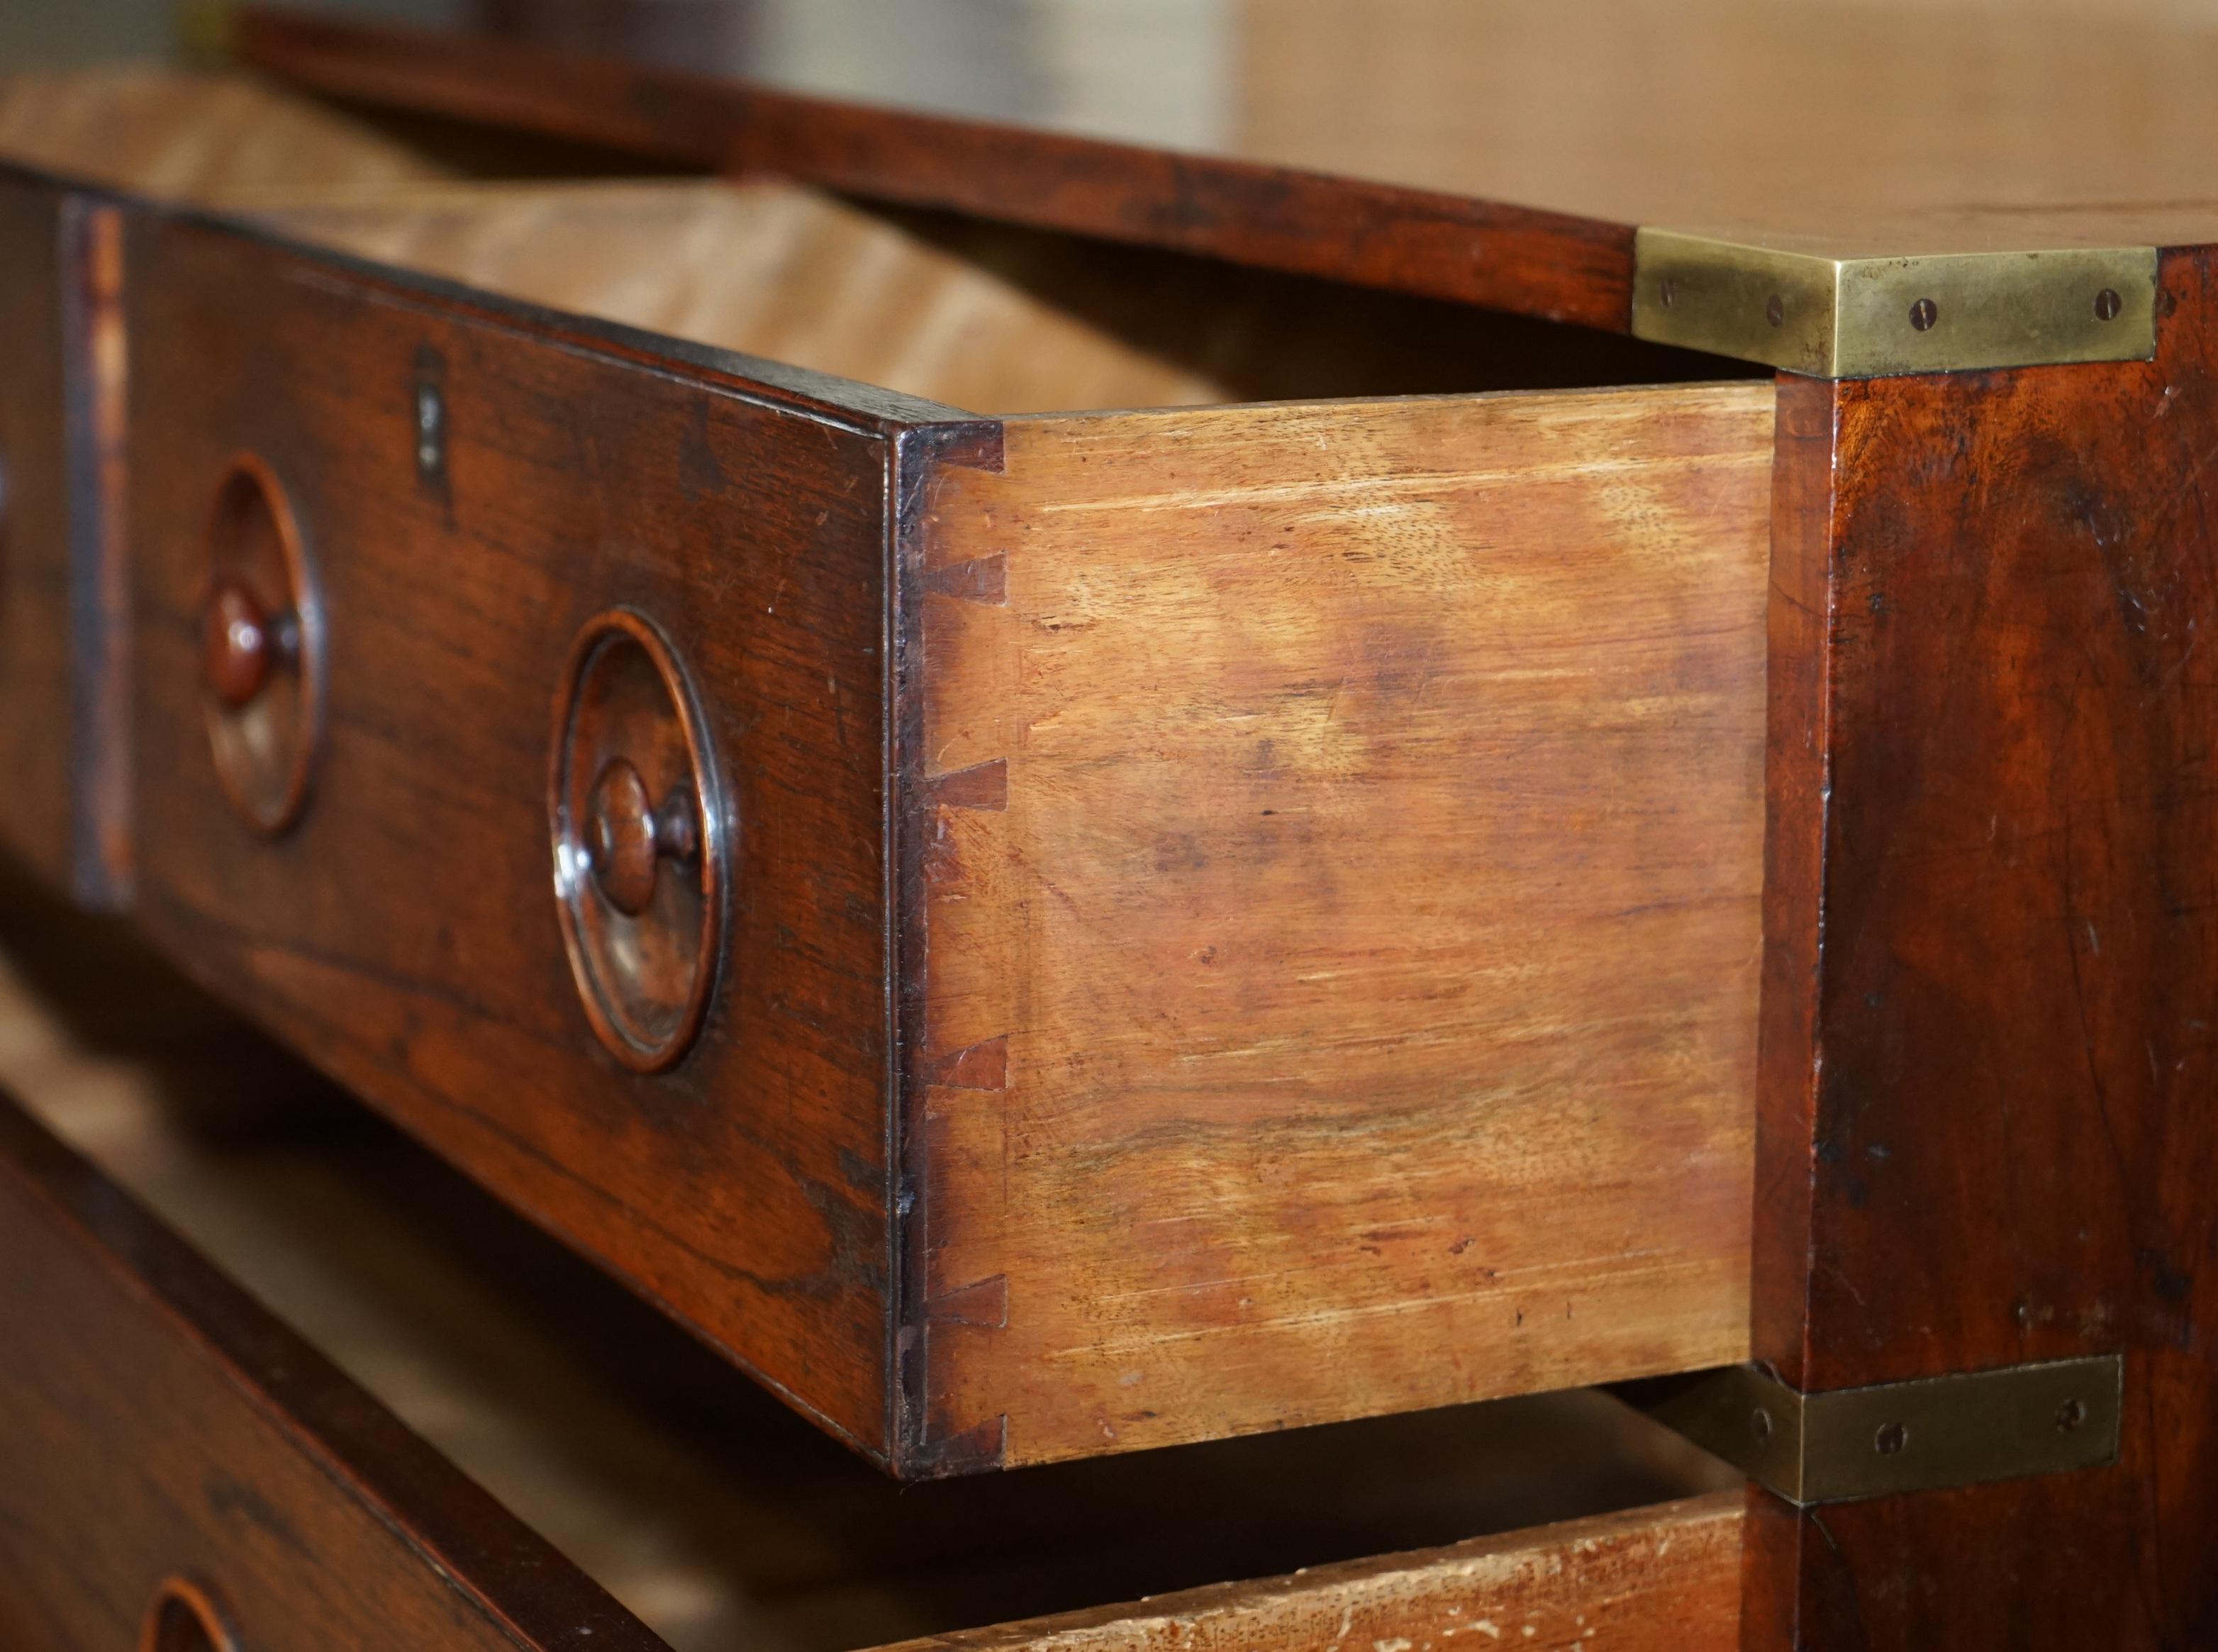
40 33
1108 65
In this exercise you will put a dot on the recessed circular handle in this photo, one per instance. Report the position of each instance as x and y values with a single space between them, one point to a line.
260 654
640 838
187 1615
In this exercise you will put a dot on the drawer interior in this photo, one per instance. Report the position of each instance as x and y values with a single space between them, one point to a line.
704 1506
993 319
230 139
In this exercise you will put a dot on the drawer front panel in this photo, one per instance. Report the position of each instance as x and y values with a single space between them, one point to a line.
157 1428
34 585
399 924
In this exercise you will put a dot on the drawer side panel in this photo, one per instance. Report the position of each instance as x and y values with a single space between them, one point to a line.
1342 840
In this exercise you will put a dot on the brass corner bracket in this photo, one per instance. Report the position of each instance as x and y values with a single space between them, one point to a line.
1843 1444
1865 318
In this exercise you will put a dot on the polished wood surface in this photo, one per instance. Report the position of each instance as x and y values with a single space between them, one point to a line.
706 1510
1500 154
404 930
1986 1134
1337 834
1849 127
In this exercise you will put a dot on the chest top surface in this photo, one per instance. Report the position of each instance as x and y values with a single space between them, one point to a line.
1506 153
1834 126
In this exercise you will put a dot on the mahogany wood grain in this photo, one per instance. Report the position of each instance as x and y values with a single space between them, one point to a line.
404 933
1426 241
1986 1135
36 694
155 1423
1652 1580
1333 838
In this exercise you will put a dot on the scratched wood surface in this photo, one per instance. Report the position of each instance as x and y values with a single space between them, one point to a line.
1335 841
716 1517
1663 1579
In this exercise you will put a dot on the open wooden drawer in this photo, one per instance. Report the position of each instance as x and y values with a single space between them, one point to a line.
170 1448
1037 933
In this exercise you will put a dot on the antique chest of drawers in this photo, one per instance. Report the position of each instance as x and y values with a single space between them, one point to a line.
1074 788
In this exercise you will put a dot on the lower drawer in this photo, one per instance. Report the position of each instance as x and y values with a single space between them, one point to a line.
171 1453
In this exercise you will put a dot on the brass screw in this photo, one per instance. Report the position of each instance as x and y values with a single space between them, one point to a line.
2108 304
1890 1440
1924 314
1777 310
2071 1412
1668 291
1761 1422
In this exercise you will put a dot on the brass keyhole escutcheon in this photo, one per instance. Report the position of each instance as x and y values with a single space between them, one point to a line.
261 654
186 1616
639 840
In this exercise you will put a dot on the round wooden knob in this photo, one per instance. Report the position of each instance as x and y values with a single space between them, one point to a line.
620 838
626 839
238 646
260 664
640 881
